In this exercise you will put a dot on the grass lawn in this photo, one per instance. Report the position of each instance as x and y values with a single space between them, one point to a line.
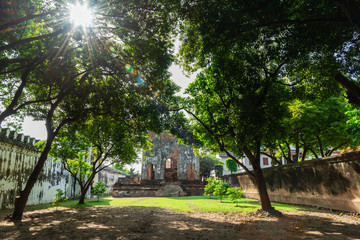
179 204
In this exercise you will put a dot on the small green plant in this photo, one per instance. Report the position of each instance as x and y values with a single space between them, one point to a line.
225 184
99 189
234 194
221 189
210 187
60 197
216 187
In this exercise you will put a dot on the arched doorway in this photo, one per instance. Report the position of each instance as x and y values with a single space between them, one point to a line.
170 172
190 174
151 171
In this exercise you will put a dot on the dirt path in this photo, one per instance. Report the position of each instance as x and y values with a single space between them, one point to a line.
156 223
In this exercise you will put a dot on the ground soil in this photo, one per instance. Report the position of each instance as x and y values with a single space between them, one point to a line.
106 222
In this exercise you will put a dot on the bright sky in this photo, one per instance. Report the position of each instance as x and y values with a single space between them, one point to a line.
34 129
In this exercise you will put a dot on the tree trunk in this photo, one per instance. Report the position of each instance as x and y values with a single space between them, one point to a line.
304 154
289 152
82 196
273 158
320 146
86 188
20 201
261 186
284 155
74 188
314 153
297 150
259 179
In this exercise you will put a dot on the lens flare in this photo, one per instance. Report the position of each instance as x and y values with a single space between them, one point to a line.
81 15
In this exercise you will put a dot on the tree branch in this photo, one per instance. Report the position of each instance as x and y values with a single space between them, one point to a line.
352 90
275 73
21 20
336 148
239 163
11 108
27 40
320 145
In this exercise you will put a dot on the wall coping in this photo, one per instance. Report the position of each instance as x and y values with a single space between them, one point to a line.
18 139
346 157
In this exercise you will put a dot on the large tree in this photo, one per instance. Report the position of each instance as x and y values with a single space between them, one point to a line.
61 72
109 140
237 108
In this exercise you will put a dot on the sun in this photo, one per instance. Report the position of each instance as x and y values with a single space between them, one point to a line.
81 15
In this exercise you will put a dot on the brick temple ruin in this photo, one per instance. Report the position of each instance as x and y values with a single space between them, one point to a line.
169 169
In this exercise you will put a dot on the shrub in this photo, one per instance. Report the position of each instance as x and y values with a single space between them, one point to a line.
216 187
210 186
234 194
221 189
99 189
226 185
60 197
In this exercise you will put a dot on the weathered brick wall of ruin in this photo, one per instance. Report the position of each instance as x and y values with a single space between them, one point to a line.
165 146
332 182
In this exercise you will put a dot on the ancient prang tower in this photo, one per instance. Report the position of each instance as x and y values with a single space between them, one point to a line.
169 161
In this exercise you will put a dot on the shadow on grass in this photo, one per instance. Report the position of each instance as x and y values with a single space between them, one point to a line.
71 204
153 222
209 198
192 204
249 202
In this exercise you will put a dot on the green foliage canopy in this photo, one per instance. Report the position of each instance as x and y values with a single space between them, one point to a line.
231 165
108 141
255 58
56 71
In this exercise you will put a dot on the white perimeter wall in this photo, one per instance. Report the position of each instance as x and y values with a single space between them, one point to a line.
16 165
